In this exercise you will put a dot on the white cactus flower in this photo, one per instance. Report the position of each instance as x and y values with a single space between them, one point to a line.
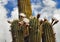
26 20
22 14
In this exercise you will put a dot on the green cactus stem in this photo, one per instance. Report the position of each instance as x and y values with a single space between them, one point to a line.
48 33
17 34
34 32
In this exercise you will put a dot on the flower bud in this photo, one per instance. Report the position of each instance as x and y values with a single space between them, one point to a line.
45 19
38 15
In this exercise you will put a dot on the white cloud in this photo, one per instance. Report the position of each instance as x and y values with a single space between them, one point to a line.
4 26
5 34
48 8
57 14
47 12
3 2
14 14
35 6
49 3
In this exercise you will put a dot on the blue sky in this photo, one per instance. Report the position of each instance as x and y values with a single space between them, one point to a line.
9 11
58 3
10 5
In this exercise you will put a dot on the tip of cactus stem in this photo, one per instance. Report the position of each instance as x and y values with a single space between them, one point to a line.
38 15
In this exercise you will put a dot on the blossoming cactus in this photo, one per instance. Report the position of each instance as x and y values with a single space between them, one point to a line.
48 33
18 28
35 31
14 31
32 30
23 29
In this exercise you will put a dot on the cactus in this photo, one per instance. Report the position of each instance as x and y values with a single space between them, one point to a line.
17 34
48 33
35 31
13 31
24 7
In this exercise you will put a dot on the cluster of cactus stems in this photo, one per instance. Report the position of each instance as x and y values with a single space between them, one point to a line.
36 31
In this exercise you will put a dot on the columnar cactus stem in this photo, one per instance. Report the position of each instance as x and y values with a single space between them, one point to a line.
48 33
14 31
25 7
35 33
